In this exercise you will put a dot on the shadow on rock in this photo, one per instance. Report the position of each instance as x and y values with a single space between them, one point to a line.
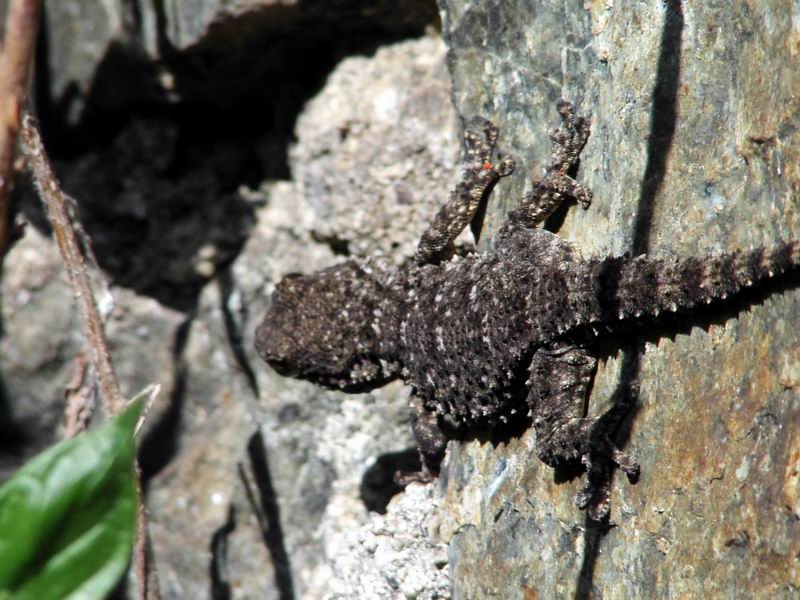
378 485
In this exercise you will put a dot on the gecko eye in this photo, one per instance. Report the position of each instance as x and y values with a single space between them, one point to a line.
288 285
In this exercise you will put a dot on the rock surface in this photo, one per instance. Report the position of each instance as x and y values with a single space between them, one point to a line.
110 55
695 148
252 480
288 510
398 555
42 339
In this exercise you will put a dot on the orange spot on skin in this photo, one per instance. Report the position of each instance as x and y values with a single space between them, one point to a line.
486 166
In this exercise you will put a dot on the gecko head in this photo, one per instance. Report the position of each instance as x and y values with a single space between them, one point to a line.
337 327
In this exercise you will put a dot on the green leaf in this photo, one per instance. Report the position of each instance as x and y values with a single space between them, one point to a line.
68 517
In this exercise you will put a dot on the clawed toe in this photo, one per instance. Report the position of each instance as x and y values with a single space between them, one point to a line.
595 499
626 463
569 140
481 139
505 168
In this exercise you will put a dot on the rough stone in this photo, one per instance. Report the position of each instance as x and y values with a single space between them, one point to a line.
254 482
695 148
371 164
159 229
278 464
42 337
396 555
79 36
261 485
102 56
193 22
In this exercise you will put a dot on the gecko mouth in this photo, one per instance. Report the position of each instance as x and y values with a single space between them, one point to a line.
282 367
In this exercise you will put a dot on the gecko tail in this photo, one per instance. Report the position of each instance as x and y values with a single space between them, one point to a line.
644 286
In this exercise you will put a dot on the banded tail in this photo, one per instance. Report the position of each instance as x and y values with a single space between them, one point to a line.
645 286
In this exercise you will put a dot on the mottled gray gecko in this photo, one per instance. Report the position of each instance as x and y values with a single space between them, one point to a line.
484 336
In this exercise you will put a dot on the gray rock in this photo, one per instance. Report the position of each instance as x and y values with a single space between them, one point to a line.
105 55
80 35
256 485
371 164
42 337
397 555
694 149
35 358
160 232
193 22
278 473
268 480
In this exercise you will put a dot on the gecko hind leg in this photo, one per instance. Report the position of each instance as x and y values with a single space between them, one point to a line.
558 183
560 375
431 442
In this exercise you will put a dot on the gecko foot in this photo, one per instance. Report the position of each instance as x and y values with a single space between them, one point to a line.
602 456
600 461
558 183
424 475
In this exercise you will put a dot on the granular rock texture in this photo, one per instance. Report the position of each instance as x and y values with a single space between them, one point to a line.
252 481
43 337
396 555
371 165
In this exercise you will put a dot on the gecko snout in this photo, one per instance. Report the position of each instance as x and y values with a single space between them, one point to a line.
275 349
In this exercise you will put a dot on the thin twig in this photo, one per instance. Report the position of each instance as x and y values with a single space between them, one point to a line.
56 205
22 23
144 560
80 396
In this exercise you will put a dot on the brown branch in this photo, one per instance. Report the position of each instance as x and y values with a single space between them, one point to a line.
144 560
79 396
58 212
22 23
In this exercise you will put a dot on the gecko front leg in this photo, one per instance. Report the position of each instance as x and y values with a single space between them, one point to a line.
477 180
560 375
558 184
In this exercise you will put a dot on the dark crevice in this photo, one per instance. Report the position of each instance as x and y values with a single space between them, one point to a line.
13 437
160 444
233 331
264 502
339 246
663 121
155 169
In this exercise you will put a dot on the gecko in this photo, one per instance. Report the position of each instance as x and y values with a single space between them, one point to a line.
484 336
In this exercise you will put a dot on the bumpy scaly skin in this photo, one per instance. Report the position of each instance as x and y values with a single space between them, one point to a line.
482 337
